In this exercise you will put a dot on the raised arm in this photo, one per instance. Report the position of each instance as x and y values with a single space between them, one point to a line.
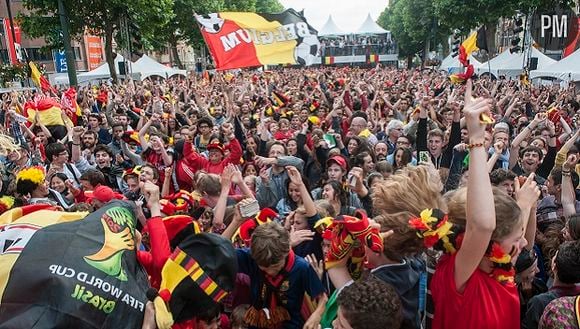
143 132
562 155
238 179
480 205
498 149
568 193
540 117
226 183
296 178
527 196
76 144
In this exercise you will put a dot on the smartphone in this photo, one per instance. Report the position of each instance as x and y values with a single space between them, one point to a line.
351 181
249 208
424 157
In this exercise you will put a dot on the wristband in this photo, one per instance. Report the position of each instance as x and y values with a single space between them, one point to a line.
473 145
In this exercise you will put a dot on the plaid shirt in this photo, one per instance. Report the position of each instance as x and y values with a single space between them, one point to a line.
549 211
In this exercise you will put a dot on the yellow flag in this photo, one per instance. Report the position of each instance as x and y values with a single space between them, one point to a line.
470 44
34 73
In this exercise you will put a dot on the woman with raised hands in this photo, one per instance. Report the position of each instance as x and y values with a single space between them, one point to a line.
473 285
480 237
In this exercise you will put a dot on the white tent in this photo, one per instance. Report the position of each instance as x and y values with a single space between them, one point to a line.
370 27
451 64
143 68
100 73
511 65
330 29
567 69
147 66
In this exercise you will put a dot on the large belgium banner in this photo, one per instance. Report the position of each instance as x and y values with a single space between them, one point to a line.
65 270
237 39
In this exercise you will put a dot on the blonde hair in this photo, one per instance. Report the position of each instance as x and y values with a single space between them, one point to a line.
300 210
324 208
7 144
507 211
397 200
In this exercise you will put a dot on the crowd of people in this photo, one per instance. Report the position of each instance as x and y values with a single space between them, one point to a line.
354 197
361 45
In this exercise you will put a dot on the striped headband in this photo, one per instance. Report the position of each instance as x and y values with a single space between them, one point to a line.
179 266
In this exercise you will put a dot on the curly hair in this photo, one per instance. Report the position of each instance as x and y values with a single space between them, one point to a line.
400 198
371 304
411 191
550 240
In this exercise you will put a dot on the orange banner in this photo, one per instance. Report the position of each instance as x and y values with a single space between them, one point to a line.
94 50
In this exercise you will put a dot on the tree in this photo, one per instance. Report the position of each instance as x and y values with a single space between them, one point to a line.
413 26
183 27
101 18
474 13
269 6
240 5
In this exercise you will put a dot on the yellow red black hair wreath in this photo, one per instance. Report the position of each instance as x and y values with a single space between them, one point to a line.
34 174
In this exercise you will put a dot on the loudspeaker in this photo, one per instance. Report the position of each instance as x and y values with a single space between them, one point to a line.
122 68
533 63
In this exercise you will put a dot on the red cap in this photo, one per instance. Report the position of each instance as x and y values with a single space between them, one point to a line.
338 160
215 146
103 193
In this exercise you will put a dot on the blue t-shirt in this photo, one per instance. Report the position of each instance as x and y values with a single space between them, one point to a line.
301 279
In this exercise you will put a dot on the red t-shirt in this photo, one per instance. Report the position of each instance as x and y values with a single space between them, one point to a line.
284 135
484 304
156 159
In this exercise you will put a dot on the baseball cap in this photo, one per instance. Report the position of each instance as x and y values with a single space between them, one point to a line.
215 146
338 160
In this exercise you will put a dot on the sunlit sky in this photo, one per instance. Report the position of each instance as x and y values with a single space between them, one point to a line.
348 15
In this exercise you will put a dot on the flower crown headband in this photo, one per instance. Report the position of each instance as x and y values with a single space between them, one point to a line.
436 231
34 174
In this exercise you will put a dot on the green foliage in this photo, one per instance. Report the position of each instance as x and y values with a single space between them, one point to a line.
469 14
240 5
97 16
412 23
101 18
9 73
269 6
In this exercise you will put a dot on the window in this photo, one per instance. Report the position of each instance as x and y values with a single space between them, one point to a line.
78 53
4 56
37 54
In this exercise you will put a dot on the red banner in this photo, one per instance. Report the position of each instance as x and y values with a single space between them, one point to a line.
12 45
94 51
574 44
